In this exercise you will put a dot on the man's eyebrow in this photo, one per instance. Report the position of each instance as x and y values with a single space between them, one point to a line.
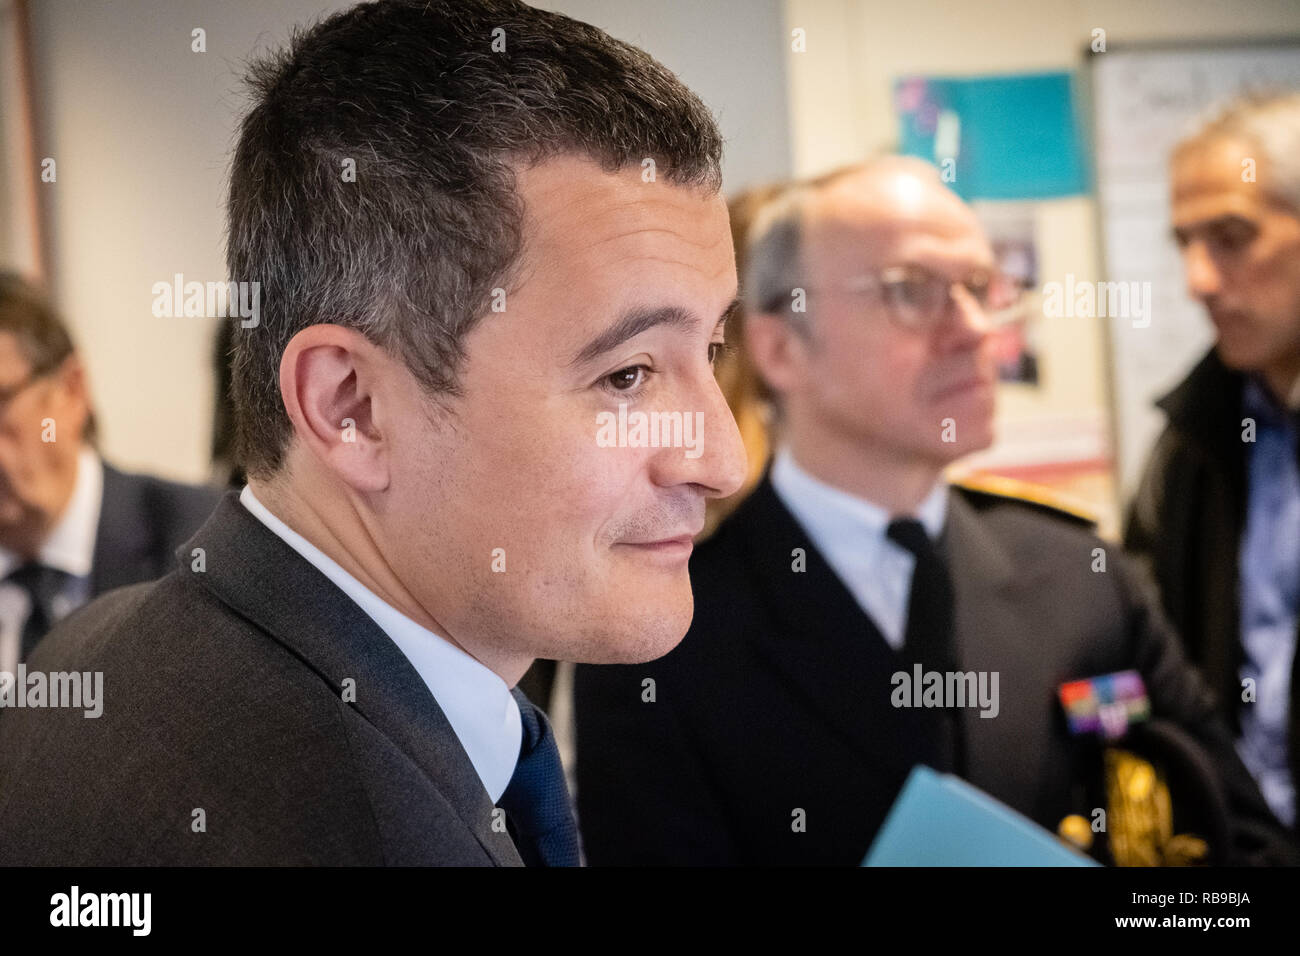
633 323
732 308
1228 219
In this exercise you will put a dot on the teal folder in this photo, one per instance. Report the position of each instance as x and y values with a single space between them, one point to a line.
941 820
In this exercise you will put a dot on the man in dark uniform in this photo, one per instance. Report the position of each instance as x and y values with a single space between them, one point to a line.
1217 515
783 727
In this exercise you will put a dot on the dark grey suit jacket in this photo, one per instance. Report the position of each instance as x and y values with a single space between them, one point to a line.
224 692
142 521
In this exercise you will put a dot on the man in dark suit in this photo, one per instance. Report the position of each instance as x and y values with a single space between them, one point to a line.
71 525
784 725
478 231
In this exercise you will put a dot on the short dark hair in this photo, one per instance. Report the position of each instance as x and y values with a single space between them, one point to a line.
436 122
27 314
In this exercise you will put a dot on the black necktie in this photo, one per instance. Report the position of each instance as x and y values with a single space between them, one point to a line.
930 639
538 812
41 583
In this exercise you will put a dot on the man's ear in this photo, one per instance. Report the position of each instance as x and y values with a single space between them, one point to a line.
331 382
73 391
779 354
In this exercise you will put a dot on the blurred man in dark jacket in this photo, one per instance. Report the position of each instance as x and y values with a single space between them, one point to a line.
71 525
1217 515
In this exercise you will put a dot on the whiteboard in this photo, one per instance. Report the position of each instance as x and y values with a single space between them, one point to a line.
1144 100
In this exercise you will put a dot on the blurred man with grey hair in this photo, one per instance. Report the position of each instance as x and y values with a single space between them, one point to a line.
1217 514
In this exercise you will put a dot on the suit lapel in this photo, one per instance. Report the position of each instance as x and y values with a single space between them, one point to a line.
123 550
261 578
829 651
993 635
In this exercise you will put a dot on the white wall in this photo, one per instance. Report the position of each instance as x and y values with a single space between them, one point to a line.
840 88
141 128
730 52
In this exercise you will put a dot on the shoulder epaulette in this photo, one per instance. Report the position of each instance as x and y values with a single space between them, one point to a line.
1045 499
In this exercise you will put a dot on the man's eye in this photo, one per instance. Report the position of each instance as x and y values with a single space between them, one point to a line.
980 288
627 379
906 293
1232 240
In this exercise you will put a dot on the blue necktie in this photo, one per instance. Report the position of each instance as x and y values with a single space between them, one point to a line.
538 812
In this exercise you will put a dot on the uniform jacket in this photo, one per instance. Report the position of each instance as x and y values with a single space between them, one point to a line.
778 700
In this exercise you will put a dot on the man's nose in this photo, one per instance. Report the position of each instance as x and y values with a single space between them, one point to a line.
715 457
728 461
1204 279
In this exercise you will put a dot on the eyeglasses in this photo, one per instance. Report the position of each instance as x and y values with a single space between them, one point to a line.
9 392
917 299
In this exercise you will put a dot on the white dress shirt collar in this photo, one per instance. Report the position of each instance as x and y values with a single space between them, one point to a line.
70 545
850 533
788 476
477 702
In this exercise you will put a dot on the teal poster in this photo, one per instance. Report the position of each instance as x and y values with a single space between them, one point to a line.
996 137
